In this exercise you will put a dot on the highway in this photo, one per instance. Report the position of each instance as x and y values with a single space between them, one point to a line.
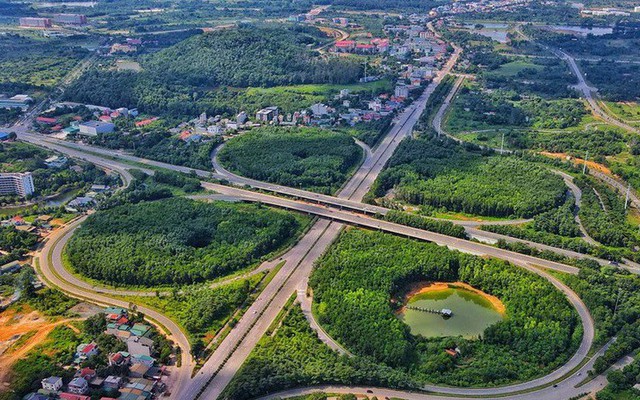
292 278
233 351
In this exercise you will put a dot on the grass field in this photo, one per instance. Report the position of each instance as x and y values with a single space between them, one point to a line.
326 89
512 68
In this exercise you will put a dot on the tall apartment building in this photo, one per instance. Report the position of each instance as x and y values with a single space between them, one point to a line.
70 19
31 22
16 183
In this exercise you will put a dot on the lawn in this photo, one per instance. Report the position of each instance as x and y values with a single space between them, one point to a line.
512 68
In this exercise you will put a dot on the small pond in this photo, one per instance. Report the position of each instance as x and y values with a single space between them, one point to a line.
473 311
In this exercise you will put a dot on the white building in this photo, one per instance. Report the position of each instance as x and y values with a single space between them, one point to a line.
267 114
78 386
92 128
52 383
16 183
402 91
319 109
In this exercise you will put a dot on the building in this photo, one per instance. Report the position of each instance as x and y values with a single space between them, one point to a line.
86 350
137 389
56 162
78 386
52 383
112 382
345 45
10 268
402 91
92 128
20 101
74 396
31 22
15 183
70 19
267 114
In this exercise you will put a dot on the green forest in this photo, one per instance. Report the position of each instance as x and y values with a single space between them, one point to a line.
307 158
355 283
176 241
442 174
181 79
294 356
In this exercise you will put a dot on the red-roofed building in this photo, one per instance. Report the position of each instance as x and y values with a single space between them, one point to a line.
145 122
122 321
86 373
345 45
56 128
365 48
105 118
47 120
73 396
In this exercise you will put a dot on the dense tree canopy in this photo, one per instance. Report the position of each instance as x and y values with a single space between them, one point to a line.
441 173
310 158
355 282
184 79
176 241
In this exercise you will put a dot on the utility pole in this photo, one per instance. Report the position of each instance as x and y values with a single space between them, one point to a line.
626 198
502 144
365 71
584 167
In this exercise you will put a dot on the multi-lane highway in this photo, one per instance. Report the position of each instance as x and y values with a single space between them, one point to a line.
220 368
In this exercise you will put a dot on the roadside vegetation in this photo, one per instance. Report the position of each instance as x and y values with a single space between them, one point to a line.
177 241
307 158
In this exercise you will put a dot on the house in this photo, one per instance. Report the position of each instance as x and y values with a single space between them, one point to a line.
74 396
320 109
78 386
93 128
142 359
114 313
267 114
4 136
136 348
345 45
87 373
99 188
52 383
138 370
36 396
145 122
86 350
112 382
119 359
139 329
137 389
80 202
56 162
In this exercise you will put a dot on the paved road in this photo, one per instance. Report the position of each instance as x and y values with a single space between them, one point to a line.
566 389
228 358
588 93
218 371
51 267
577 196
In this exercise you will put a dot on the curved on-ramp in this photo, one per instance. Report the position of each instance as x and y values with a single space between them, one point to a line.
54 273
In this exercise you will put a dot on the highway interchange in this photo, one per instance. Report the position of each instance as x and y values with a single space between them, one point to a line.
346 208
